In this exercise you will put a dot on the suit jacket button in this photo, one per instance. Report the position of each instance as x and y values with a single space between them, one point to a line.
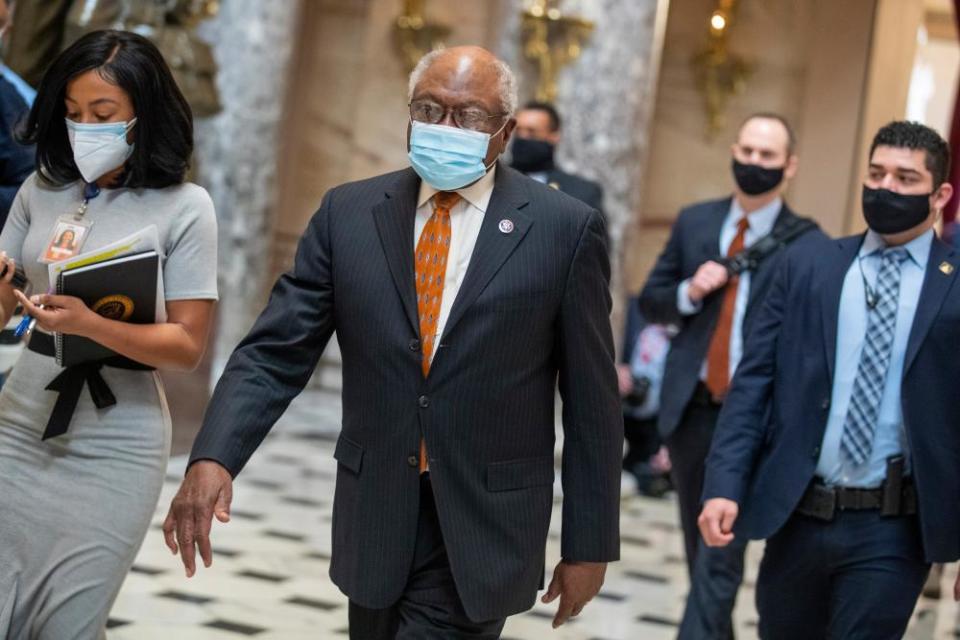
424 402
815 454
414 345
825 404
413 461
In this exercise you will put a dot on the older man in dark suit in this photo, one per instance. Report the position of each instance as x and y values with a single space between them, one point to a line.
839 439
460 292
706 284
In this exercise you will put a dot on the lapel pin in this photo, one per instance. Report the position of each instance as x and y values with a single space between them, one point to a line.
506 226
945 267
554 185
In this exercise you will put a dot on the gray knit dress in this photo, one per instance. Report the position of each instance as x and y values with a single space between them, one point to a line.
74 509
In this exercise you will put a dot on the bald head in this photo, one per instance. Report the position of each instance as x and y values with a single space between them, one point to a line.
470 74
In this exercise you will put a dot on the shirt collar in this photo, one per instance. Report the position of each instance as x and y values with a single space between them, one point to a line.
477 194
918 249
761 220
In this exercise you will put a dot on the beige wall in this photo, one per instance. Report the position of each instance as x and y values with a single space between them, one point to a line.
893 49
810 64
829 121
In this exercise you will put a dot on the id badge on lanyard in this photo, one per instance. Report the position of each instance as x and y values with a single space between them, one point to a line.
70 231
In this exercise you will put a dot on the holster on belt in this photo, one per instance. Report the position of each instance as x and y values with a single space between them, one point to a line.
892 487
896 497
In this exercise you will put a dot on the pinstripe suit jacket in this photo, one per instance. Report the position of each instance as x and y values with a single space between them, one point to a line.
533 308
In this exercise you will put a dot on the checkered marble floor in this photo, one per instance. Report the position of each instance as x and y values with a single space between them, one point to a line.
269 577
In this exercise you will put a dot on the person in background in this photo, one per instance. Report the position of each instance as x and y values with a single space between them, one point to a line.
83 449
640 376
838 440
16 159
710 280
16 164
25 91
16 98
534 145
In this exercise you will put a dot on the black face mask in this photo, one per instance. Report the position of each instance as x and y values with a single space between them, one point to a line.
887 212
531 155
754 180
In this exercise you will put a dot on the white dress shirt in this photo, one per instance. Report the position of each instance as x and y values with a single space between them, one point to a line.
761 222
466 217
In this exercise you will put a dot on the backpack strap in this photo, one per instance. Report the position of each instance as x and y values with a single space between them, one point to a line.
749 259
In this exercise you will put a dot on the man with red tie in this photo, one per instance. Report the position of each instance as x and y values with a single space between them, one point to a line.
710 280
462 294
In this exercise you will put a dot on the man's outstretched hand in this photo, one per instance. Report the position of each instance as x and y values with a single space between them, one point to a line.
206 491
576 583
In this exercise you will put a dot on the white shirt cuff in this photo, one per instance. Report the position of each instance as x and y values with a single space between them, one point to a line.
685 305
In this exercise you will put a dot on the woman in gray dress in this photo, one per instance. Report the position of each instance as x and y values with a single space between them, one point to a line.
78 485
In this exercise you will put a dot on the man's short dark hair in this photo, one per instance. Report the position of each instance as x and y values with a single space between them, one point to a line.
913 135
164 129
770 115
549 109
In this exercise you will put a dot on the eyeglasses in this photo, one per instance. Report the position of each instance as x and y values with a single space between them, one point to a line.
472 118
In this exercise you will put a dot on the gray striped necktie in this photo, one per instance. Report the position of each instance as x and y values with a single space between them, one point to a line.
861 420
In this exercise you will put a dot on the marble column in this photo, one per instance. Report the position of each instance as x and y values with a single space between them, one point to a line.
237 152
606 100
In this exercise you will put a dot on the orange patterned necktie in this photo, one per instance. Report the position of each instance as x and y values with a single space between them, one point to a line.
430 268
718 357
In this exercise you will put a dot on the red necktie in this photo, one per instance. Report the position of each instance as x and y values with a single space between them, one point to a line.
718 357
430 268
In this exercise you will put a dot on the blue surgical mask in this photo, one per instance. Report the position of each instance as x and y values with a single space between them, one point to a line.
99 148
448 158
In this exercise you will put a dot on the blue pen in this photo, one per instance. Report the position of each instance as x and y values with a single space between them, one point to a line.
27 323
23 327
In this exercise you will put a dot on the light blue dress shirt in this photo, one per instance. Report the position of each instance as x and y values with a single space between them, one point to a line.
26 92
889 437
761 224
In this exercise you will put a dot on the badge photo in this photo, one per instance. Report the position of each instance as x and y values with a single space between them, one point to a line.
66 240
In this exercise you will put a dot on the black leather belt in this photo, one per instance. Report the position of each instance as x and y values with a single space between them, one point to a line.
822 502
71 380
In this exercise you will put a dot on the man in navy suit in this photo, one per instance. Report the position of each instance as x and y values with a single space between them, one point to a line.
691 288
839 439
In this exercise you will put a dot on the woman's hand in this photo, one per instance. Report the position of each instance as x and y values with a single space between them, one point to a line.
61 314
7 267
7 300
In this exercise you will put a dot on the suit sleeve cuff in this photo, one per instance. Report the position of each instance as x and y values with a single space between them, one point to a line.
209 458
723 485
685 305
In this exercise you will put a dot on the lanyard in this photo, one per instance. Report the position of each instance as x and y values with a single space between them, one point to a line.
90 191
